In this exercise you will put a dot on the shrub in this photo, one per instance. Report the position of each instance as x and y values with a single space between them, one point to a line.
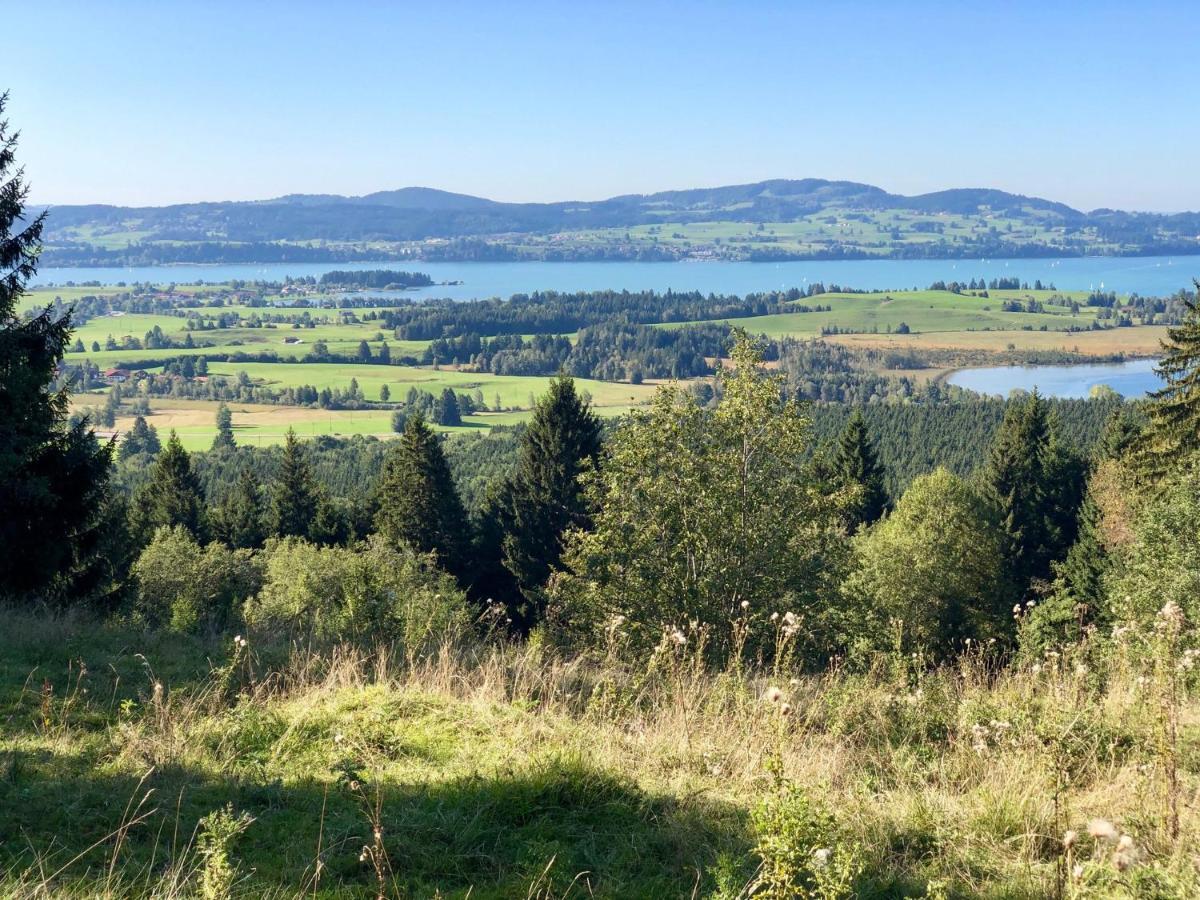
372 590
186 587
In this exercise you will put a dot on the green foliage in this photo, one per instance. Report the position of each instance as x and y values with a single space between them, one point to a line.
701 510
141 438
374 591
190 588
1172 435
932 568
218 832
803 856
1161 564
545 498
238 522
171 496
224 439
855 465
416 500
294 493
53 475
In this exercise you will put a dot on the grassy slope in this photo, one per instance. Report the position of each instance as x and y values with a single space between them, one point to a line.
518 774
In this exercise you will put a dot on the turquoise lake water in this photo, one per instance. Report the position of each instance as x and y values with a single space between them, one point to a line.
1149 276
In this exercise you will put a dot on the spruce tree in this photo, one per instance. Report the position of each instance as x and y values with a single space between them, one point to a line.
53 474
224 439
238 522
294 493
141 438
416 498
1037 485
171 496
1173 432
855 463
561 442
448 411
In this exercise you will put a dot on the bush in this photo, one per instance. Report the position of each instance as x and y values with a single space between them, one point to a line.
186 587
371 590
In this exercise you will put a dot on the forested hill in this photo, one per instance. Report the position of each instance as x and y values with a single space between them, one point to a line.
813 218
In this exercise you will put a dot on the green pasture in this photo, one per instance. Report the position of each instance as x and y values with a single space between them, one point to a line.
514 390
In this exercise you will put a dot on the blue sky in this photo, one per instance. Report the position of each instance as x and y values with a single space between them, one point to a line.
1094 104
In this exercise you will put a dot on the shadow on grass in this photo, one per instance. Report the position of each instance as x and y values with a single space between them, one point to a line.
491 835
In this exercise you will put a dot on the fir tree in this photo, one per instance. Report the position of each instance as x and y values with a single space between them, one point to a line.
416 498
855 464
238 522
171 496
294 494
448 411
53 475
1173 432
561 442
224 439
1037 484
141 438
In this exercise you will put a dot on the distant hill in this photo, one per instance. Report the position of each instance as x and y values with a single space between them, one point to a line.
814 218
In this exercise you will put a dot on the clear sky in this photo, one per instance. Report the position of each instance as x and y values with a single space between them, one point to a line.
1094 104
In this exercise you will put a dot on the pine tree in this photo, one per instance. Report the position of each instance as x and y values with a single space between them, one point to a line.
53 475
561 442
855 463
238 522
171 496
294 494
416 498
224 439
1173 432
385 393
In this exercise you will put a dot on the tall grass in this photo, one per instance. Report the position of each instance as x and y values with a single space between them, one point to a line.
170 767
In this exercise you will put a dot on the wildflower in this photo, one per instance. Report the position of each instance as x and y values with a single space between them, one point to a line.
745 604
1035 669
158 690
678 637
821 857
1080 669
795 682
1102 830
1122 861
1069 839
354 785
1077 872
362 857
785 710
1017 609
1125 843
338 738
774 694
774 617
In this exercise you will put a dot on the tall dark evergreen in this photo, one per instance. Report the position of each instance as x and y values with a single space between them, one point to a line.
416 498
1173 432
855 463
294 493
448 410
560 443
53 475
238 522
224 438
1037 484
171 496
141 438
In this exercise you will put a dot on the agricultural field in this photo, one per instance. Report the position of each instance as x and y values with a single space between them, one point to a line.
921 311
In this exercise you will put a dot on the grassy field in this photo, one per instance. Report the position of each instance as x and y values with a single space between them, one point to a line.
503 772
1141 341
922 311
261 425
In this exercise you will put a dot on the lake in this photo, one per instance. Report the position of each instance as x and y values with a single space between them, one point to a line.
1130 379
1147 275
